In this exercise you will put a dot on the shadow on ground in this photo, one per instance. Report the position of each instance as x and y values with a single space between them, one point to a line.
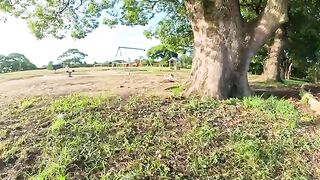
286 92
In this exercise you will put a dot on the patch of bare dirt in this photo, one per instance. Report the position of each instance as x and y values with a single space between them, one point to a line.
118 82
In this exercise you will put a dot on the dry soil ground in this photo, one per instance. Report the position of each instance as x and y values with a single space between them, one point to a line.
119 81
96 80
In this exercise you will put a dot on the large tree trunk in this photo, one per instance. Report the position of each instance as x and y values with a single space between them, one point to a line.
272 69
224 45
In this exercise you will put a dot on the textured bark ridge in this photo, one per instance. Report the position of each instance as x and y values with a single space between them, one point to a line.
272 71
224 45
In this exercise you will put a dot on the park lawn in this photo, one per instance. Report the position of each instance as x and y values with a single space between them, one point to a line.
253 79
83 70
152 137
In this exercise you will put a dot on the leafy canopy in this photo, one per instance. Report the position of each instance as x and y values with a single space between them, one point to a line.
15 62
72 57
79 17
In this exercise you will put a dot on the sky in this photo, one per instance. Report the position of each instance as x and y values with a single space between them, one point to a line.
100 45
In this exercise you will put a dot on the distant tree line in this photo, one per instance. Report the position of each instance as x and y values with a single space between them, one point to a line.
15 62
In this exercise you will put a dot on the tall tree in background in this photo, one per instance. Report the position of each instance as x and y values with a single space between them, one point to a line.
174 31
4 67
272 69
303 37
301 31
160 52
15 62
224 42
72 57
298 37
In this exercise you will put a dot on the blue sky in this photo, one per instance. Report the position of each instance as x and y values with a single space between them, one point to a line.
101 45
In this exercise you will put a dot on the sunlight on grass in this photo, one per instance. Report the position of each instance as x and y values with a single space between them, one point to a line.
162 138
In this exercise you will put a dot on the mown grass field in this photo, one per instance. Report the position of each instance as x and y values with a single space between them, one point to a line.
153 137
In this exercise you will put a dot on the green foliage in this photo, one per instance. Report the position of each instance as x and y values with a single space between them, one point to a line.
72 57
15 62
161 138
174 30
164 62
185 62
6 6
161 52
313 73
58 124
251 9
305 97
303 37
148 62
50 65
27 103
274 108
257 62
177 90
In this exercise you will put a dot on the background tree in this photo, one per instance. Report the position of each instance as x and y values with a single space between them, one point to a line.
295 44
15 62
185 61
258 61
272 66
4 65
174 30
162 53
72 57
21 61
301 31
303 37
268 58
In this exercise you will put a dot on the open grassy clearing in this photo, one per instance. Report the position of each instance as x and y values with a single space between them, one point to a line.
106 137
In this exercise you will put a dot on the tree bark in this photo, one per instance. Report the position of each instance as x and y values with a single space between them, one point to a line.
224 45
272 69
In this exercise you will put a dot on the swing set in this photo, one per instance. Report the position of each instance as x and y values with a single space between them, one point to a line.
124 60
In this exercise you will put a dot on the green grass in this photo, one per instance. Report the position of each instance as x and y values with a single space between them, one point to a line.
150 137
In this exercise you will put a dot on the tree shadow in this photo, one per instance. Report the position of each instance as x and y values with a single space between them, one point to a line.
285 93
311 124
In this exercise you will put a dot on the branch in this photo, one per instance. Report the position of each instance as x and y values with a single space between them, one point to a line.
81 2
57 13
65 7
274 14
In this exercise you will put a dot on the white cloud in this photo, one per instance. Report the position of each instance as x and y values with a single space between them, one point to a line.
100 45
